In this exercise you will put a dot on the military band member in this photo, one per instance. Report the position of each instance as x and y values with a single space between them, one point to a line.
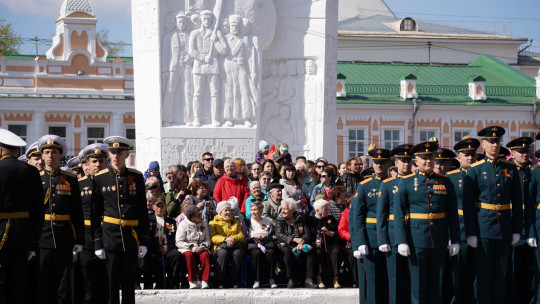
492 210
533 220
92 268
520 273
34 156
120 203
463 264
426 219
398 267
21 216
443 161
373 277
62 234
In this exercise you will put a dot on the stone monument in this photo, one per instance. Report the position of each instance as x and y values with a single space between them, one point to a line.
218 75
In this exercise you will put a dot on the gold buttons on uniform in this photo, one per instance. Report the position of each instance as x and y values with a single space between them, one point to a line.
431 224
120 186
123 215
121 195
121 206
431 205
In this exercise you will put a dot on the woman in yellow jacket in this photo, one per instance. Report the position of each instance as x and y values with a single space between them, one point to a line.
227 237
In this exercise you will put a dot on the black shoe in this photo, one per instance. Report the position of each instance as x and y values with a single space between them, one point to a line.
354 285
221 287
290 284
236 286
309 283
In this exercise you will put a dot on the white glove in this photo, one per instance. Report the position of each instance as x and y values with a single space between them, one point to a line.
363 249
404 250
100 253
31 254
385 248
515 238
532 242
76 250
142 251
261 247
472 241
453 249
357 254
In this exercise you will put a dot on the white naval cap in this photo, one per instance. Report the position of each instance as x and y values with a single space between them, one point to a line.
23 158
95 150
52 141
32 150
10 140
74 163
117 143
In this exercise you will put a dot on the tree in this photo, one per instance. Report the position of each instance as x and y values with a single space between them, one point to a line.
113 48
9 40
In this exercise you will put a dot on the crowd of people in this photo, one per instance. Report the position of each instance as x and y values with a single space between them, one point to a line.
415 224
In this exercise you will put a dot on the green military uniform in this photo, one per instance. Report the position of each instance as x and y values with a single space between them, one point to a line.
120 222
425 215
62 229
520 273
463 264
492 210
532 221
373 276
399 277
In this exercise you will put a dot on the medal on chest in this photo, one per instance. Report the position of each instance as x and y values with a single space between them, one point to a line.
415 184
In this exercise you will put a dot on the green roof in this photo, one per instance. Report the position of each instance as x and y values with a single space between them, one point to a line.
446 84
33 57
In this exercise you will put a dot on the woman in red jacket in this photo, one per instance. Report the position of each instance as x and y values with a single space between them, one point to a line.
343 230
231 184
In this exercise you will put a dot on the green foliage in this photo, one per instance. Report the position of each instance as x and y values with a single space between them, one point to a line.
113 48
9 40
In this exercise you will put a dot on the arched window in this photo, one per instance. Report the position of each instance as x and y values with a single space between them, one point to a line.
407 24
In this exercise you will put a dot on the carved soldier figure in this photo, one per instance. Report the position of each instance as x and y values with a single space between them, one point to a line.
180 75
237 102
204 47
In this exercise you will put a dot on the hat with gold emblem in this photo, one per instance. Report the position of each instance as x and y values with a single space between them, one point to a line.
443 154
32 150
424 148
118 143
503 152
379 154
10 140
492 133
74 163
402 151
520 144
467 144
95 150
51 141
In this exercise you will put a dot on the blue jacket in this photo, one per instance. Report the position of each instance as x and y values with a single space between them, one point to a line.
492 182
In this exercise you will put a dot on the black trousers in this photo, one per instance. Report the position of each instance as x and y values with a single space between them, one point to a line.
92 288
288 259
258 259
353 264
13 270
154 267
331 257
223 257
55 275
121 270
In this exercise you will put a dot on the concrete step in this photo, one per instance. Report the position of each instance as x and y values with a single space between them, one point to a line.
245 295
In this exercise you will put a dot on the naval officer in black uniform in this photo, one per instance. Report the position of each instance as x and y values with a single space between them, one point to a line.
120 203
21 215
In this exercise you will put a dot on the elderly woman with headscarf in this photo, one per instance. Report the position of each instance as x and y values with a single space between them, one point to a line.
255 196
293 237
259 240
327 243
193 241
227 237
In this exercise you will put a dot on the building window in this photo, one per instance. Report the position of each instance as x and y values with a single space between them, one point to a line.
356 143
426 135
19 130
58 131
408 24
95 135
391 139
458 135
130 133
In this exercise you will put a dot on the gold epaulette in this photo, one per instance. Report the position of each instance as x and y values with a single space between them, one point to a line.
453 171
367 180
83 178
102 171
389 179
41 172
535 166
134 171
478 163
410 175
68 173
